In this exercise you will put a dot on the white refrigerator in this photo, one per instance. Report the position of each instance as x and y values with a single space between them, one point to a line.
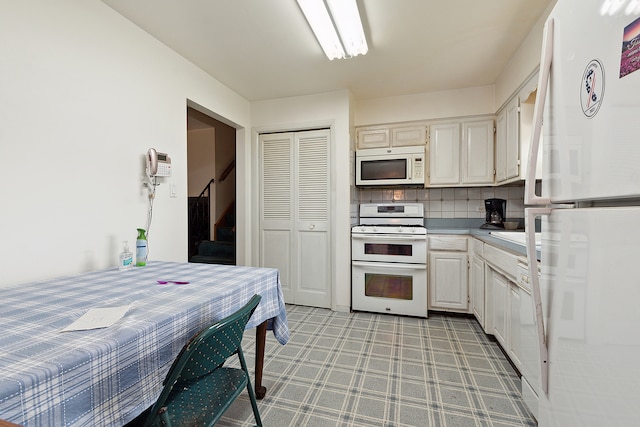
585 370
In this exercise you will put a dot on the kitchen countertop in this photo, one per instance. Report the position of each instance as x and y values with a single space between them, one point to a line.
472 228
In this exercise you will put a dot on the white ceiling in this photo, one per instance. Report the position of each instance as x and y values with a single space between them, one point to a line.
264 49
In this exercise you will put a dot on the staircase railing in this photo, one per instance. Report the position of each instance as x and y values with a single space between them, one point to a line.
200 218
227 170
207 189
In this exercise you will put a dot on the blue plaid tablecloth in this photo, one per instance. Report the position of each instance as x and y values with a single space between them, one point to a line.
106 377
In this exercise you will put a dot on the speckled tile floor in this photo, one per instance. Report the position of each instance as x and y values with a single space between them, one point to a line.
364 369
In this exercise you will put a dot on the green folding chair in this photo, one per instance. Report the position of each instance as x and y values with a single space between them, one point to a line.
198 389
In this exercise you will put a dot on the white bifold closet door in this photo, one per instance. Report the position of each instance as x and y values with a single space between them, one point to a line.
295 213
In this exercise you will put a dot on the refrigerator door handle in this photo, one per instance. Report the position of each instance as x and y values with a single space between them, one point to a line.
530 196
530 217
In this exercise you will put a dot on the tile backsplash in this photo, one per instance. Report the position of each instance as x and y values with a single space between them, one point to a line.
449 202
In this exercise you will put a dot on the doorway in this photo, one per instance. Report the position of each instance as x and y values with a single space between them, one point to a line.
211 182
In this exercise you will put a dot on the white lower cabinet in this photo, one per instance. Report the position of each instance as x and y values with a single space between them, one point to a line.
481 281
448 281
476 283
500 296
505 313
448 274
514 349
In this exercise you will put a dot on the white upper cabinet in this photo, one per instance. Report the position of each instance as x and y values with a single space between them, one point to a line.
392 135
512 156
444 154
373 138
461 154
508 141
501 146
402 136
514 126
477 152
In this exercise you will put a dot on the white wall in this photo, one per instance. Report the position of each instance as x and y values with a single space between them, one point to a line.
296 113
458 103
426 106
201 154
83 94
525 61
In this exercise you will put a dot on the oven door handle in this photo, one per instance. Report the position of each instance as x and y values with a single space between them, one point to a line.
387 237
399 266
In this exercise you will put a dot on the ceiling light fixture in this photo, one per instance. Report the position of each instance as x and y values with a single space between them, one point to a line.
337 26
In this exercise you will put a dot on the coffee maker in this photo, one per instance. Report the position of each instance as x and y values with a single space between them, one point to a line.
495 209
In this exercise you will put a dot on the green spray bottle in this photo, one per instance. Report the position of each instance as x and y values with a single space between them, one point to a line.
141 248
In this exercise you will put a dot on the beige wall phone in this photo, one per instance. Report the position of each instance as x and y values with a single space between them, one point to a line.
158 164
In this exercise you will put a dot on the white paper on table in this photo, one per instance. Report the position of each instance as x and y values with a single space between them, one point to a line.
97 318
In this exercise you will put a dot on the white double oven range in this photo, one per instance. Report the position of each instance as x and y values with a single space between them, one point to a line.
389 259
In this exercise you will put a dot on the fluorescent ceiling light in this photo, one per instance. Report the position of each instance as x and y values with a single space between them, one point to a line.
337 26
611 7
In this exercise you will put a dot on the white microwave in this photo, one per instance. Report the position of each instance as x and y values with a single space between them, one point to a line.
391 166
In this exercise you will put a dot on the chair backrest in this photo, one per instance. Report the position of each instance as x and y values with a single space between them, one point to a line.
209 349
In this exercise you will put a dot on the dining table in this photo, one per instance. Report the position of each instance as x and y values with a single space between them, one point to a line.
65 362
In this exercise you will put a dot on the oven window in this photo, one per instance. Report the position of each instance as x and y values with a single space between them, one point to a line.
388 249
388 286
372 170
